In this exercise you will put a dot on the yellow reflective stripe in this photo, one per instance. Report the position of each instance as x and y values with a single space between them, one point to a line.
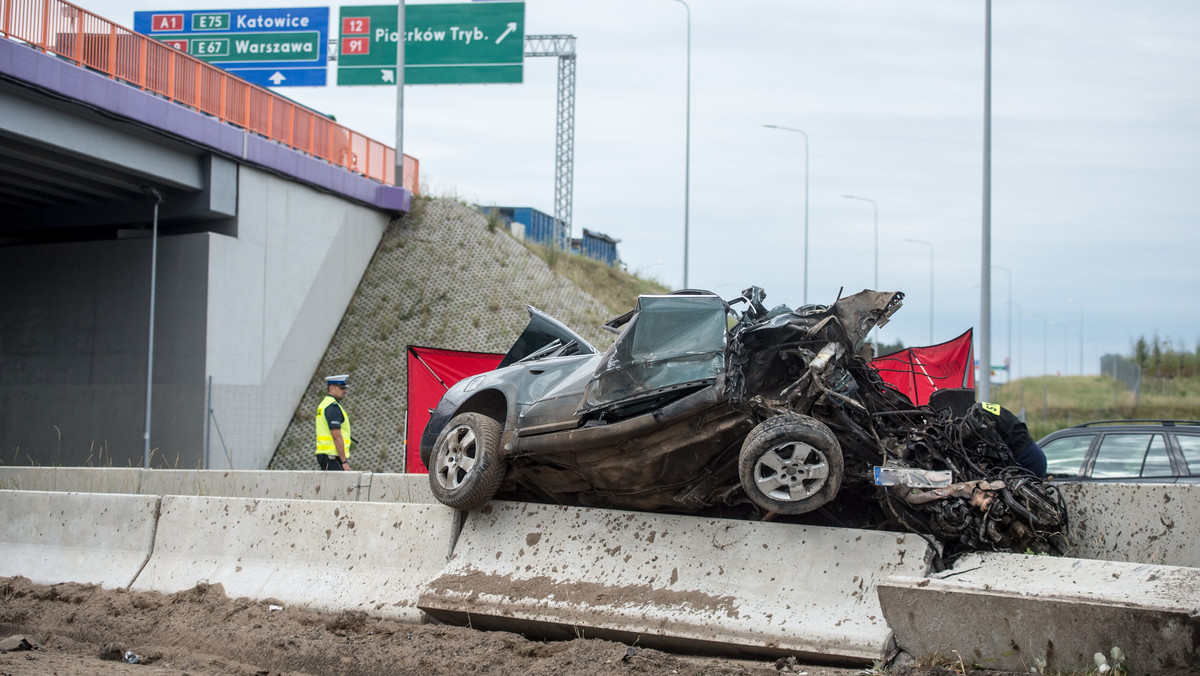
994 409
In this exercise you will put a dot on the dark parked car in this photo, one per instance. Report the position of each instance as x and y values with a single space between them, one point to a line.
1156 451
703 404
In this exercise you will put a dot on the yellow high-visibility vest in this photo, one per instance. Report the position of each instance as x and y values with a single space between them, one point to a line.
325 436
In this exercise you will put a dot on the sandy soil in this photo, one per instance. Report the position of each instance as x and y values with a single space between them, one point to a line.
83 629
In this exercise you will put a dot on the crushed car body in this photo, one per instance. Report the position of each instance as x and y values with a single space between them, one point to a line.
703 405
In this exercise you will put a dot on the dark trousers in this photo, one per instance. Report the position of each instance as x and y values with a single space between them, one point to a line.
329 463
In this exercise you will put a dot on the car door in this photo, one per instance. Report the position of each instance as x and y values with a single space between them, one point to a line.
1140 457
1067 456
1189 450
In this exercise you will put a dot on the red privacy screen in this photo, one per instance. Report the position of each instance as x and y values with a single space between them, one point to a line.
432 371
919 371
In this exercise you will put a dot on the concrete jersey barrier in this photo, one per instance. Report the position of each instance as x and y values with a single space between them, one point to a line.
99 539
1136 523
320 554
1006 611
672 581
284 484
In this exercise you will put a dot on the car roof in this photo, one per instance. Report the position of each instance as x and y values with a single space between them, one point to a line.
1188 427
1140 423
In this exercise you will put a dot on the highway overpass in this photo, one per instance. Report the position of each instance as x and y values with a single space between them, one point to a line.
260 247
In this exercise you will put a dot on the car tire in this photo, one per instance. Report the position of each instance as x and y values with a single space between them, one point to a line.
790 464
466 469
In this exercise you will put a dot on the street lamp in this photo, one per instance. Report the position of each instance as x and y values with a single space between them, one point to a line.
985 249
1045 341
687 156
1072 300
930 245
801 131
1008 354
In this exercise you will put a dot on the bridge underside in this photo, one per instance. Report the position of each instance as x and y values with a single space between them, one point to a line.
259 250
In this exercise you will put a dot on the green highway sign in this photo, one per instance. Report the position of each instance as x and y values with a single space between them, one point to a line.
466 43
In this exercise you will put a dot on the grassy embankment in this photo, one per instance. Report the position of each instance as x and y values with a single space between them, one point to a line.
1054 402
614 287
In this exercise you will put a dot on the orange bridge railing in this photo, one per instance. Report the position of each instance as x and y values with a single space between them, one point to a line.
89 40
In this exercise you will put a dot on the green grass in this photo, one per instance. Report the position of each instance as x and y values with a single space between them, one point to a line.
614 287
1054 402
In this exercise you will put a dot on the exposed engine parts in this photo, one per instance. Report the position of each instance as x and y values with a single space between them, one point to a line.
811 363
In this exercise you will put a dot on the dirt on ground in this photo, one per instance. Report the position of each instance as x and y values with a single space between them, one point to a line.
76 629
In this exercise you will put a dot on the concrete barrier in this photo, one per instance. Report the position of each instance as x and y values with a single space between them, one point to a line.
27 478
292 485
93 538
411 488
97 479
186 482
320 554
670 581
1005 611
299 485
296 485
1139 523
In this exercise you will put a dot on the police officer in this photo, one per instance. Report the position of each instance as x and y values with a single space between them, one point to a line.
333 426
1010 428
1016 436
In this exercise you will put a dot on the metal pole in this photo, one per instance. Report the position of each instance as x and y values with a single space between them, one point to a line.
400 93
801 131
150 350
930 245
208 428
687 157
985 268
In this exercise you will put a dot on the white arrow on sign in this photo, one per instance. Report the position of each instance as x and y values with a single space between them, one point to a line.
277 77
512 26
388 75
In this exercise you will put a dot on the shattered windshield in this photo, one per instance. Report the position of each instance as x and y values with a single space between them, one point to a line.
671 340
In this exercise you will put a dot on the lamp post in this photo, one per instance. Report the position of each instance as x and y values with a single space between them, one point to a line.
930 245
1045 341
875 287
801 132
1008 353
687 153
1072 300
985 267
158 199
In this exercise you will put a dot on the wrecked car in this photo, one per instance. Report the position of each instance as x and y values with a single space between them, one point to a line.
703 405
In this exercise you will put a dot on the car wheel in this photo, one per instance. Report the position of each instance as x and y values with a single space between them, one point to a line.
466 468
790 464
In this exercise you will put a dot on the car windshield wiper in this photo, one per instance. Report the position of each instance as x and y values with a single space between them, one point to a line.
545 351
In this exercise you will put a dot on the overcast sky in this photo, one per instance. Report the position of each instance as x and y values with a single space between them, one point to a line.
1095 153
